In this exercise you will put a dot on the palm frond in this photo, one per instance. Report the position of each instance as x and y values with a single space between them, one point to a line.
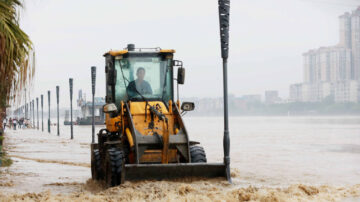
17 58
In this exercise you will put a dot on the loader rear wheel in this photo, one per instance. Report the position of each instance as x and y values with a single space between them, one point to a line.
197 154
115 160
96 172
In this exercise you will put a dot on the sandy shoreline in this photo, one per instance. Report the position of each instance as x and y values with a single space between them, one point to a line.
203 190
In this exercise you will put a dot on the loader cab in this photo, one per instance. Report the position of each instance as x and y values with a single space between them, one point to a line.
139 75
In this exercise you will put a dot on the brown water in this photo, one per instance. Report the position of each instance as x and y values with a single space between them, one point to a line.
273 159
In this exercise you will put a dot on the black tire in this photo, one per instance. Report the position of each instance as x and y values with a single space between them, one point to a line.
197 154
115 159
96 172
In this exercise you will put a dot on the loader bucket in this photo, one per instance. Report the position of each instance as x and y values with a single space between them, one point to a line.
173 171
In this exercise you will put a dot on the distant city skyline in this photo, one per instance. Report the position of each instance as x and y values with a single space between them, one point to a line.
267 39
333 72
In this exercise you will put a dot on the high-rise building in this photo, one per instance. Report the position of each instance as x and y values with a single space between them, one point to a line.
355 43
345 30
296 92
327 64
333 71
347 91
309 62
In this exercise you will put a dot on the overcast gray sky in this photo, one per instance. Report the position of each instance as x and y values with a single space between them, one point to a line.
267 39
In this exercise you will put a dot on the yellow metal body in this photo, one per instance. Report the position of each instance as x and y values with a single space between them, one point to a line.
117 52
167 51
122 52
129 137
141 120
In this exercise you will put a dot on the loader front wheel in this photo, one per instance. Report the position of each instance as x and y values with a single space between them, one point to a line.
96 172
115 160
197 154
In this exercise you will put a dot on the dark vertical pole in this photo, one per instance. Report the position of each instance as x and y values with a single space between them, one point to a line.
93 82
224 17
29 111
33 109
25 106
37 112
49 112
26 110
71 118
42 113
57 102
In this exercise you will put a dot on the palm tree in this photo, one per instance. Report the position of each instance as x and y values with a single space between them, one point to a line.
16 55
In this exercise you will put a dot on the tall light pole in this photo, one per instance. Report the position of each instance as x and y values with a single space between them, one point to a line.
224 17
33 107
29 111
71 112
26 110
49 111
42 113
57 102
93 82
37 112
25 106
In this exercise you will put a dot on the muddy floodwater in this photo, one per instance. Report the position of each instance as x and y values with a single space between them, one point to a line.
272 159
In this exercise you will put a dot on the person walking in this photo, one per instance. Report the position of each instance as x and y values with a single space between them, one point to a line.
14 123
21 122
4 123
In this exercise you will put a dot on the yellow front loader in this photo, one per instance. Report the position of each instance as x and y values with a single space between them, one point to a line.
145 136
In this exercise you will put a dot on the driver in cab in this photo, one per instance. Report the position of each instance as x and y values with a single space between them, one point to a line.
139 85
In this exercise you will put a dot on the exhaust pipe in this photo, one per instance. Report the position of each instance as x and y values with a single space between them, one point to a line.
131 47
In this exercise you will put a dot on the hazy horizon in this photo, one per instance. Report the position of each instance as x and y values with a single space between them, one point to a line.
267 40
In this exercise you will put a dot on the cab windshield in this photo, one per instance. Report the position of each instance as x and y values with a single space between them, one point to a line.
143 78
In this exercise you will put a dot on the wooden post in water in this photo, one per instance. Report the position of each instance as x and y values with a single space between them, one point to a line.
49 112
71 118
57 102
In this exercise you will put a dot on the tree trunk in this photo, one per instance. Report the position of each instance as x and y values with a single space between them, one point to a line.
2 116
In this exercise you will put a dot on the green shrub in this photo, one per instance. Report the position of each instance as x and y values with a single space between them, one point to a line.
5 162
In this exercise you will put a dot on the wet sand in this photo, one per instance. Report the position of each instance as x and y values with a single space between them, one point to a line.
200 190
51 168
